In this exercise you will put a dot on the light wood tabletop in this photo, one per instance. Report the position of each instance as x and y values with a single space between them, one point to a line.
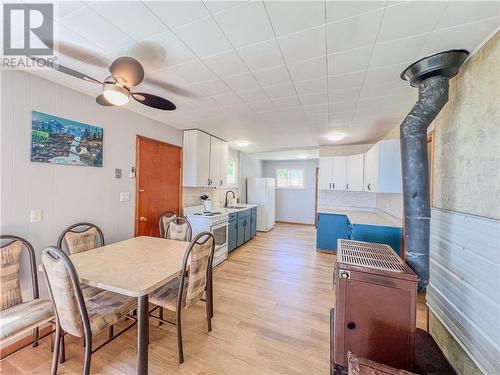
133 267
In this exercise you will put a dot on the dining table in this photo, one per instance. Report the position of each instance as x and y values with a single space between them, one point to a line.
135 268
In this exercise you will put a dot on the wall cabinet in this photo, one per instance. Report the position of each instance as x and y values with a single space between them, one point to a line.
341 172
204 159
382 172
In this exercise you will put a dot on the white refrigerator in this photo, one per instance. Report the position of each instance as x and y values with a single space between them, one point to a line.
260 191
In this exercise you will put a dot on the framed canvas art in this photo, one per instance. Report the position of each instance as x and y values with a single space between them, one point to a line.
61 141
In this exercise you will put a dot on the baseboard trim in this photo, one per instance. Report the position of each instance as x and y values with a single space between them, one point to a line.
22 342
293 223
329 252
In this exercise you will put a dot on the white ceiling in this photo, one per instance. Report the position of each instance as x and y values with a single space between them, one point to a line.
278 74
292 154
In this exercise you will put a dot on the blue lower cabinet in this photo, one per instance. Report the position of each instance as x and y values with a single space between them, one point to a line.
240 231
391 236
243 227
331 227
253 222
232 237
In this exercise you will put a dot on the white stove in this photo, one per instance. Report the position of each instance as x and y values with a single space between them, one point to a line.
215 222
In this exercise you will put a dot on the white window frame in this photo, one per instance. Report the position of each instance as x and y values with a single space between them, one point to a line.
303 187
236 178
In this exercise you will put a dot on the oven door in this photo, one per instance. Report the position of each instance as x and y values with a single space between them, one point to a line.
220 232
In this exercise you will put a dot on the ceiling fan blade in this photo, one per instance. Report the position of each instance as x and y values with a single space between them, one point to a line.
154 101
128 69
64 69
102 101
170 87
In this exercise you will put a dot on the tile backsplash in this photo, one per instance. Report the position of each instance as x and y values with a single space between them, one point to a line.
191 196
347 198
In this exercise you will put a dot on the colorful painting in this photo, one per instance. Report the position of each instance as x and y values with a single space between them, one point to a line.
60 141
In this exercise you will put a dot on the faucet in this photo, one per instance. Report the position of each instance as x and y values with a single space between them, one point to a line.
234 197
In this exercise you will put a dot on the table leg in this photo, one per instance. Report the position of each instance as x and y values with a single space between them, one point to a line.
142 335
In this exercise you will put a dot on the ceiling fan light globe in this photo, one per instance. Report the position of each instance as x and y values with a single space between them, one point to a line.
114 94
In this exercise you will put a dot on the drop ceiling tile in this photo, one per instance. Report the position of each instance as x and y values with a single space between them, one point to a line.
168 49
461 12
69 39
194 71
241 82
286 101
217 6
177 13
313 86
346 81
256 95
102 33
203 37
262 106
314 99
410 18
344 95
228 99
337 10
135 19
343 108
383 89
226 64
245 24
353 32
291 16
64 8
303 45
272 76
261 55
397 51
385 74
316 107
213 87
279 91
349 61
317 119
168 75
308 69
468 36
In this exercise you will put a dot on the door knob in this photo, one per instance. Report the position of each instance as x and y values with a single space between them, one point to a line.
142 218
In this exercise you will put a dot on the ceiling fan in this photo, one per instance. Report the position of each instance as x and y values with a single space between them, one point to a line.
126 73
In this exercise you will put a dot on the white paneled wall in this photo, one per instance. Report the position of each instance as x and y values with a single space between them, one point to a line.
67 194
464 289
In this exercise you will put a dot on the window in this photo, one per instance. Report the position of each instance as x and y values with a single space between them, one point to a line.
231 172
290 178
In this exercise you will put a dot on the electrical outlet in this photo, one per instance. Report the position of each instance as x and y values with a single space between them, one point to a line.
124 196
36 215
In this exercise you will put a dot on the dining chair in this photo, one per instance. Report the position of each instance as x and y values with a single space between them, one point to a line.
20 315
164 220
179 229
184 291
82 237
76 315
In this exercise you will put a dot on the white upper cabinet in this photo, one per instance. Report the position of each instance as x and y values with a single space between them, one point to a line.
224 150
339 173
204 160
325 173
196 158
355 172
383 167
215 152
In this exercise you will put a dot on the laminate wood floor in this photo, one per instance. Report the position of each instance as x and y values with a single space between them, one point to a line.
272 301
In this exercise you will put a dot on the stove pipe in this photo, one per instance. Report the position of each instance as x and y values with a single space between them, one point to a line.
431 75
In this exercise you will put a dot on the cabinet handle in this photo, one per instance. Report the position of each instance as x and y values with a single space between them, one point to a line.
333 185
220 182
368 186
330 185
347 186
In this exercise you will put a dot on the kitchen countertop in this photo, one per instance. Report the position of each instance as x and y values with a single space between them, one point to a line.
361 215
230 210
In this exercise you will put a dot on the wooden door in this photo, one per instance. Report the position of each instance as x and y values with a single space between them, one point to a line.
158 183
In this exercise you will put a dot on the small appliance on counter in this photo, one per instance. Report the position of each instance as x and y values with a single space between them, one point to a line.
215 222
207 203
260 191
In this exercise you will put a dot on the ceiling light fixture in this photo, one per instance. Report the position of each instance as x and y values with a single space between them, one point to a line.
335 136
115 93
242 143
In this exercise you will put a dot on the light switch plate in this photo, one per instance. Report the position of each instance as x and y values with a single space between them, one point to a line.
124 196
36 215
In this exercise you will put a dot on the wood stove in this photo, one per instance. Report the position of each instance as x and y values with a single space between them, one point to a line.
375 306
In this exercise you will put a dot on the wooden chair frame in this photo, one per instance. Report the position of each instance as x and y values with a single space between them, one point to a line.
200 239
58 255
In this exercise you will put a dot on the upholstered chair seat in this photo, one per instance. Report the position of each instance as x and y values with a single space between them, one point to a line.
107 308
166 296
24 317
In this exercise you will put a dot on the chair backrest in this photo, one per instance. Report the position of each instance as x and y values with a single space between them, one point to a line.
81 237
65 292
10 265
179 229
200 255
165 219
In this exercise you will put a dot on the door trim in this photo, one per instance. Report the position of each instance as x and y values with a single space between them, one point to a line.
181 167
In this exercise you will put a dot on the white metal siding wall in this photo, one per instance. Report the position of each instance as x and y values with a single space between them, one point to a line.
464 289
